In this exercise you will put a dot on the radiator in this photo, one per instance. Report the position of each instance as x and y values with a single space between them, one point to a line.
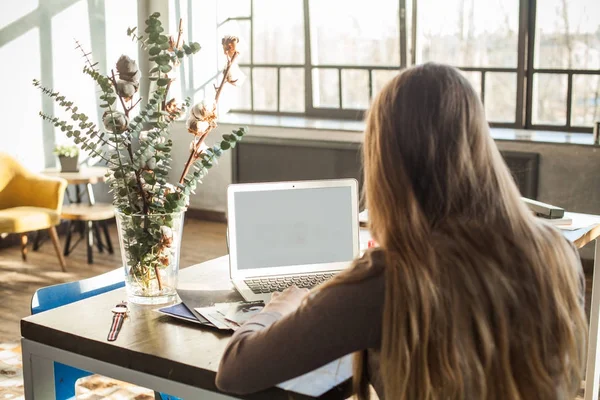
525 171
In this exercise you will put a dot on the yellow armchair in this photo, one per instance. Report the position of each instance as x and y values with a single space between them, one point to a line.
29 202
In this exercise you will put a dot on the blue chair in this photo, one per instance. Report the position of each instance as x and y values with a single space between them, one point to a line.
50 297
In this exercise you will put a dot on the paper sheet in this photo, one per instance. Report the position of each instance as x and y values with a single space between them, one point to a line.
321 380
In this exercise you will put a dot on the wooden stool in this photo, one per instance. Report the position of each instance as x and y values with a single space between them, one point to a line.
91 217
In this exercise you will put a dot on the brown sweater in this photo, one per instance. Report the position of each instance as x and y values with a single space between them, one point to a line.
336 321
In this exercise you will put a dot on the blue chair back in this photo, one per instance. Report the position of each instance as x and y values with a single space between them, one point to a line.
50 297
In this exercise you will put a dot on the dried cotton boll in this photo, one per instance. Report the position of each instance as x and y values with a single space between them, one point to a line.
126 89
196 126
143 136
230 45
200 111
128 69
115 121
236 77
166 231
151 163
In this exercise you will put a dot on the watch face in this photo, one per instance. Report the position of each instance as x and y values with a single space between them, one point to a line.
119 310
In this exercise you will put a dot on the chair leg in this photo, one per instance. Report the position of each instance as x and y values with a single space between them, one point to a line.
37 241
99 243
24 246
56 243
107 237
68 240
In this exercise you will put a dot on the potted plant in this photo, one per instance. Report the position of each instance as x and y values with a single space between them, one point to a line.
68 156
137 152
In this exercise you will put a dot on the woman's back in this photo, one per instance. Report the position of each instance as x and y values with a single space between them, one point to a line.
469 296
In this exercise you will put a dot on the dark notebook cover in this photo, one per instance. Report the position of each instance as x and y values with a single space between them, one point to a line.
195 298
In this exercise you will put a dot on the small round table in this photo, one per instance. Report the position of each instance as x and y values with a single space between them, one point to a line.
86 214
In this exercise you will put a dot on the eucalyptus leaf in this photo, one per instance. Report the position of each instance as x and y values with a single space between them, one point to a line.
154 51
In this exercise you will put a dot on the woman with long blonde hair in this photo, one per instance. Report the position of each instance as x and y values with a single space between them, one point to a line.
467 296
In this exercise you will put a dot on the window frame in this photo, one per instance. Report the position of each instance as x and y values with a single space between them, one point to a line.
525 72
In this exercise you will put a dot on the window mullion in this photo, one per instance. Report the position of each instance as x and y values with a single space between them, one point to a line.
522 62
413 32
308 87
531 10
251 55
402 31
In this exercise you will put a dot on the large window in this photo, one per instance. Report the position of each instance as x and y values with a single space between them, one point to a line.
535 64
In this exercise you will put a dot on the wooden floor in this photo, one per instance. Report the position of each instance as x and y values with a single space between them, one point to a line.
19 280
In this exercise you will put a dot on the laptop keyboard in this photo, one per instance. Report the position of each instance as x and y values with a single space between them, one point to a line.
277 284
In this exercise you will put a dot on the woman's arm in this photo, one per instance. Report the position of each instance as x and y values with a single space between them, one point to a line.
270 349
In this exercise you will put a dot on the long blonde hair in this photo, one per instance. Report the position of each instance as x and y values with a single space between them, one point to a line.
482 300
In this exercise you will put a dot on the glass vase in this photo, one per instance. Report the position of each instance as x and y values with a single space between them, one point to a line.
150 248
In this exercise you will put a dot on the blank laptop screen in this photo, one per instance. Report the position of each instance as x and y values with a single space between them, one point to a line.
279 228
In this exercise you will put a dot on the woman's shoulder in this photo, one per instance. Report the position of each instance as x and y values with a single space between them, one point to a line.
370 265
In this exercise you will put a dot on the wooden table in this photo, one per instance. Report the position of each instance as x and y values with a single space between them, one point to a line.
160 353
89 229
152 350
87 176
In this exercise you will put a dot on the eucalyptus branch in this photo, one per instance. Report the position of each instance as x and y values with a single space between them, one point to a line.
129 149
86 56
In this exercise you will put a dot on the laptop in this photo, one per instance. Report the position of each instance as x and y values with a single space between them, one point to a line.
287 233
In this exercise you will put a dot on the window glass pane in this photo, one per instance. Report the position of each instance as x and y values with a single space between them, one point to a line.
278 31
468 32
241 29
567 34
325 87
265 89
241 97
381 78
232 9
22 128
199 70
354 32
474 77
500 96
292 90
121 15
549 99
355 89
585 105
67 62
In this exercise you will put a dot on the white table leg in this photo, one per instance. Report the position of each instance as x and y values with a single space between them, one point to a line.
38 375
593 355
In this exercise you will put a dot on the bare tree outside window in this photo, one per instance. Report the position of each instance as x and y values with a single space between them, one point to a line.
328 58
567 38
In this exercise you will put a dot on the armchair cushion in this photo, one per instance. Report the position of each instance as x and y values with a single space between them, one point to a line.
26 219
